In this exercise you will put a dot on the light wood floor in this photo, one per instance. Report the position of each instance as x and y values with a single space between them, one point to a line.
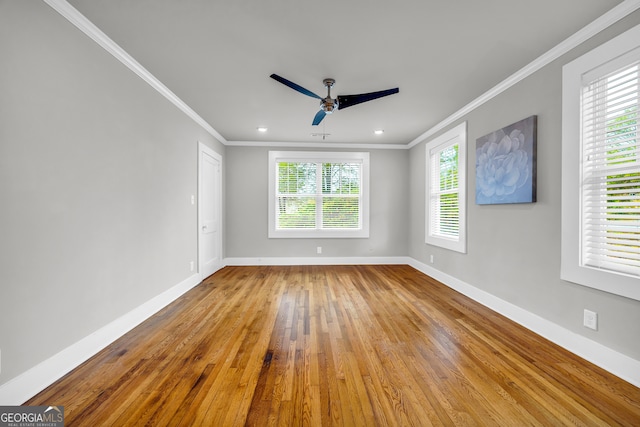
336 345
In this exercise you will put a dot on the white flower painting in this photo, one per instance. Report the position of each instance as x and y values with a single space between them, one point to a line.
506 164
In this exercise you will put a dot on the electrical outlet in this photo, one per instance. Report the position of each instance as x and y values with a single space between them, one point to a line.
431 259
319 250
590 319
192 265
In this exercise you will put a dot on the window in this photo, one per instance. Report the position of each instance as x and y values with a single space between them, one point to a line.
446 190
317 194
601 167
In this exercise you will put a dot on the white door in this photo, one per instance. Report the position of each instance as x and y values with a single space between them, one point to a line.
209 212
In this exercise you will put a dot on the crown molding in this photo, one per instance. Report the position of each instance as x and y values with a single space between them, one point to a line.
282 144
604 21
87 27
609 18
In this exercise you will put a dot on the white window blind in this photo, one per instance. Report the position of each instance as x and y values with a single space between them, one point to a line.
444 194
446 190
296 207
318 194
610 173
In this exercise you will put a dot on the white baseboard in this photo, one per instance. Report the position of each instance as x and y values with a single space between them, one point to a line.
616 363
28 384
317 260
23 387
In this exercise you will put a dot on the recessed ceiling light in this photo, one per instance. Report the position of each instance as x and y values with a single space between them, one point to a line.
262 129
378 131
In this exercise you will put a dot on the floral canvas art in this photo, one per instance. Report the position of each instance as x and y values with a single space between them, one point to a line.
506 164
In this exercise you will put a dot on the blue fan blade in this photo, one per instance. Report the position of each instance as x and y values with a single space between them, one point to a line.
318 118
294 86
345 101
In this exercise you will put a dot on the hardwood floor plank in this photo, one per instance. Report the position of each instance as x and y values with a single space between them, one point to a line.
336 346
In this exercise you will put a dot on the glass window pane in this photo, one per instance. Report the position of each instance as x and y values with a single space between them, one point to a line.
296 212
341 178
296 178
340 212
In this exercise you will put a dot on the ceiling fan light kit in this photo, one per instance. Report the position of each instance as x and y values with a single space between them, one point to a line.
328 104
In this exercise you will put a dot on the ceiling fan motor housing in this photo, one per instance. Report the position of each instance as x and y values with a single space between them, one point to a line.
329 104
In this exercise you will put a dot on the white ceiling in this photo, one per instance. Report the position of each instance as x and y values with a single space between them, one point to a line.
217 57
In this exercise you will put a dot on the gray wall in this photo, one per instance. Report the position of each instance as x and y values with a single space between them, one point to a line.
514 250
97 169
96 174
247 198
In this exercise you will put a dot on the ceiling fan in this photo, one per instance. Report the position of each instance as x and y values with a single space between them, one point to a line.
328 104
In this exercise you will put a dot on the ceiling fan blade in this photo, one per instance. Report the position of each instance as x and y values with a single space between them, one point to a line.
294 86
345 101
318 118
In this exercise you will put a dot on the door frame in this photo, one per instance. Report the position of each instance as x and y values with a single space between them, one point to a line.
203 149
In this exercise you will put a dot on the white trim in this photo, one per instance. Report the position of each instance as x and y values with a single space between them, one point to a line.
23 387
456 135
239 261
610 360
83 24
604 21
31 382
609 18
204 149
328 145
317 157
571 267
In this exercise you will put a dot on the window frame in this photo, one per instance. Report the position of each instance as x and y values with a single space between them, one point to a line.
456 135
571 268
276 157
